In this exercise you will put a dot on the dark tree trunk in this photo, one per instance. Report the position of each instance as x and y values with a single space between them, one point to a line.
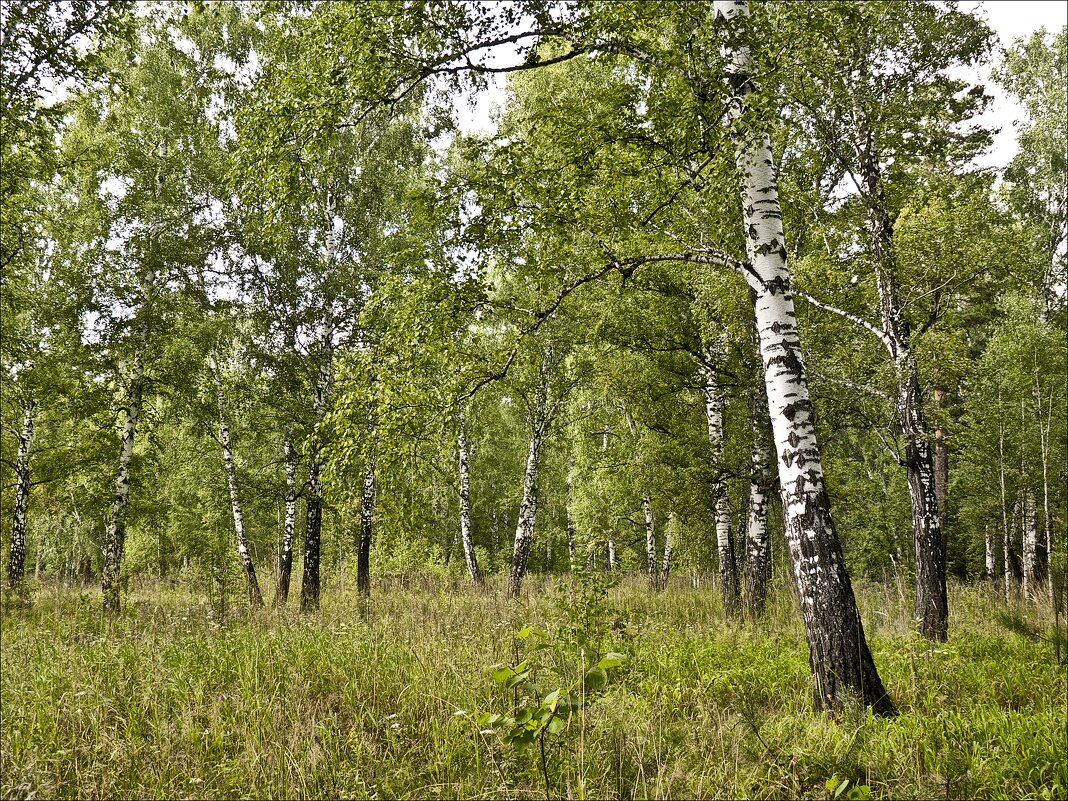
313 529
363 555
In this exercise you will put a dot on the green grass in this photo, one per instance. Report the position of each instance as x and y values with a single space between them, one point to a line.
380 700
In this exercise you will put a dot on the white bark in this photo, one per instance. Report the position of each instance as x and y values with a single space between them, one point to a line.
669 548
1029 536
991 565
728 567
650 543
838 652
247 566
528 505
16 566
758 540
465 506
285 561
116 534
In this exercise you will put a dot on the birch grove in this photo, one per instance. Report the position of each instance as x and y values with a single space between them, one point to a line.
721 289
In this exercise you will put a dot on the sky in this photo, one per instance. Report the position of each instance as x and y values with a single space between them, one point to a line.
1010 20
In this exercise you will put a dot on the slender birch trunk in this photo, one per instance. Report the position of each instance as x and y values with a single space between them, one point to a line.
116 532
16 566
838 652
465 507
611 554
1029 545
528 505
991 566
728 566
254 596
313 522
313 530
669 548
650 544
285 560
931 602
1005 534
367 505
758 538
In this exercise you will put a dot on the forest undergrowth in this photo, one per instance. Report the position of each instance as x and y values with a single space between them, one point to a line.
389 698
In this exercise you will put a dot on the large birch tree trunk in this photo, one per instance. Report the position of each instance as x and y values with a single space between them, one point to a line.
838 652
728 566
16 566
285 559
255 598
465 507
367 507
116 531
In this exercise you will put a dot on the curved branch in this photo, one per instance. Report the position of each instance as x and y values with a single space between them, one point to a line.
881 335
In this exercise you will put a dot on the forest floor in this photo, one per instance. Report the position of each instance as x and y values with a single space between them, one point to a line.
384 698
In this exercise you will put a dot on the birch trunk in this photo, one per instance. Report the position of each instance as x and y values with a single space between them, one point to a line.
611 554
650 544
313 530
931 602
285 559
1029 546
758 538
16 566
465 507
528 505
669 547
728 566
116 533
1006 534
313 522
991 575
367 506
255 598
838 652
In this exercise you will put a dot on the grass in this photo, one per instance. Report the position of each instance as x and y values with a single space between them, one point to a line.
380 700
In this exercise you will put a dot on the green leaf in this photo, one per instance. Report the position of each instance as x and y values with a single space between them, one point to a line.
524 632
595 680
556 725
516 680
501 673
550 700
611 660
